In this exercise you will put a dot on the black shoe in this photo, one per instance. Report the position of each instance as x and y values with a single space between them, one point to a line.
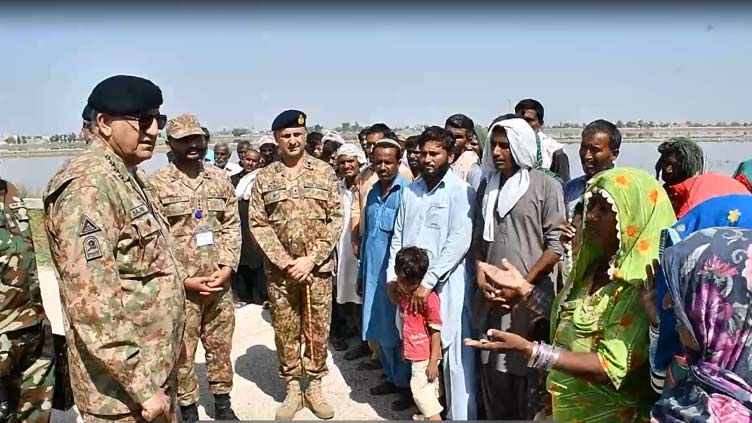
369 365
403 403
339 344
189 413
385 388
360 351
222 408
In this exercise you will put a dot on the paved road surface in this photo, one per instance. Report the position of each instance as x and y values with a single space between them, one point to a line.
258 390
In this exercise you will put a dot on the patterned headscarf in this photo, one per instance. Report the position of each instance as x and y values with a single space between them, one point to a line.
642 210
727 210
709 276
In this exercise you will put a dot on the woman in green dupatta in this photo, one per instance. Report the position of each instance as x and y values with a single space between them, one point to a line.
598 363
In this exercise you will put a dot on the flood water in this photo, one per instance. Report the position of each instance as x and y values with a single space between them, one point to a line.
721 157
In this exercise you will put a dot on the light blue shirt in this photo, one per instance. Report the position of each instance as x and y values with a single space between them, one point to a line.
439 221
573 191
378 220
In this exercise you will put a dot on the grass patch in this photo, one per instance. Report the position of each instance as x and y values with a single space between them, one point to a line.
41 247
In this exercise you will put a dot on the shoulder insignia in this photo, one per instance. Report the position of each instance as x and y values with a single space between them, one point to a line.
138 211
92 250
87 226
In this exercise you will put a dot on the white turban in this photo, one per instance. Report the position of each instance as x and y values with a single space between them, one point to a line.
523 145
266 139
352 150
332 136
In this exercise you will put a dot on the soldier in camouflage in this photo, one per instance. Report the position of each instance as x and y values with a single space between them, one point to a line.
296 218
121 288
200 205
27 376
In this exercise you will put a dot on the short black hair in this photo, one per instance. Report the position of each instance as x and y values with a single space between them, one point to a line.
437 133
460 121
314 137
503 117
362 135
329 148
243 143
411 142
602 126
383 129
412 264
529 104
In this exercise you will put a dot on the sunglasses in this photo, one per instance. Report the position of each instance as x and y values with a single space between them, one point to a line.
145 120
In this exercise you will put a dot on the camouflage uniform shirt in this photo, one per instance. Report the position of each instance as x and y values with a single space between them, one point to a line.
298 217
20 297
120 285
211 197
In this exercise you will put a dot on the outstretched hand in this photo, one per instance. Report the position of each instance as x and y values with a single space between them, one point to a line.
502 341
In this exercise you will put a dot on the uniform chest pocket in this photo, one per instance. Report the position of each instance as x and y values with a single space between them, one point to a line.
146 253
216 204
436 215
176 206
146 226
273 201
387 218
316 196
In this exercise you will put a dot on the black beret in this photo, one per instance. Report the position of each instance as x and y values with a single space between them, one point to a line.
125 95
289 119
86 114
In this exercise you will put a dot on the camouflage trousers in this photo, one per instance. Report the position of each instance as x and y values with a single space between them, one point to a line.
27 373
134 417
295 315
212 321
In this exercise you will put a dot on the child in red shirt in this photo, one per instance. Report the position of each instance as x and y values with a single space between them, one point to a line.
421 331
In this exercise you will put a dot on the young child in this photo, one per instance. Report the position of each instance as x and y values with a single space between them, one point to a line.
421 332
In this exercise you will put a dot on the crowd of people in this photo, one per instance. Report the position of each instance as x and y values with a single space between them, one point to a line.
477 278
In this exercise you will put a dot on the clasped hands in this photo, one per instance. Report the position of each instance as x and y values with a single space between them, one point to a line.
212 284
300 269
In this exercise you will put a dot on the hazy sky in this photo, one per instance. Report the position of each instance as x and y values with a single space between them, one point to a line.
240 67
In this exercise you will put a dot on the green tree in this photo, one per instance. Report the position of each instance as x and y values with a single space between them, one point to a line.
317 128
345 126
10 140
619 124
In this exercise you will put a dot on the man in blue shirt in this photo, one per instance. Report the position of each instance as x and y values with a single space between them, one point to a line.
435 214
599 149
378 312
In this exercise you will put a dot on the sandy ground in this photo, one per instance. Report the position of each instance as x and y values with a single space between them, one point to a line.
257 390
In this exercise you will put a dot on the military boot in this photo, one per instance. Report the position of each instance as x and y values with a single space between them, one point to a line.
315 400
222 408
189 413
293 402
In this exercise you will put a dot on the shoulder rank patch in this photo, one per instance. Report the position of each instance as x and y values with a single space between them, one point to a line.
87 226
139 211
92 250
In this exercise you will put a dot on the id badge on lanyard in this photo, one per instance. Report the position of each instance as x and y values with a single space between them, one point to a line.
203 234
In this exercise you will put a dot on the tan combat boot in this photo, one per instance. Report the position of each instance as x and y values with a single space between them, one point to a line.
315 400
293 402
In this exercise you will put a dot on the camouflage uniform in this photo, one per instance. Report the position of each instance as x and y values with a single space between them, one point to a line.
211 318
291 219
27 374
120 285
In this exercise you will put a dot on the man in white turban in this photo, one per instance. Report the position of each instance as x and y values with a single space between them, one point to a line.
519 213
